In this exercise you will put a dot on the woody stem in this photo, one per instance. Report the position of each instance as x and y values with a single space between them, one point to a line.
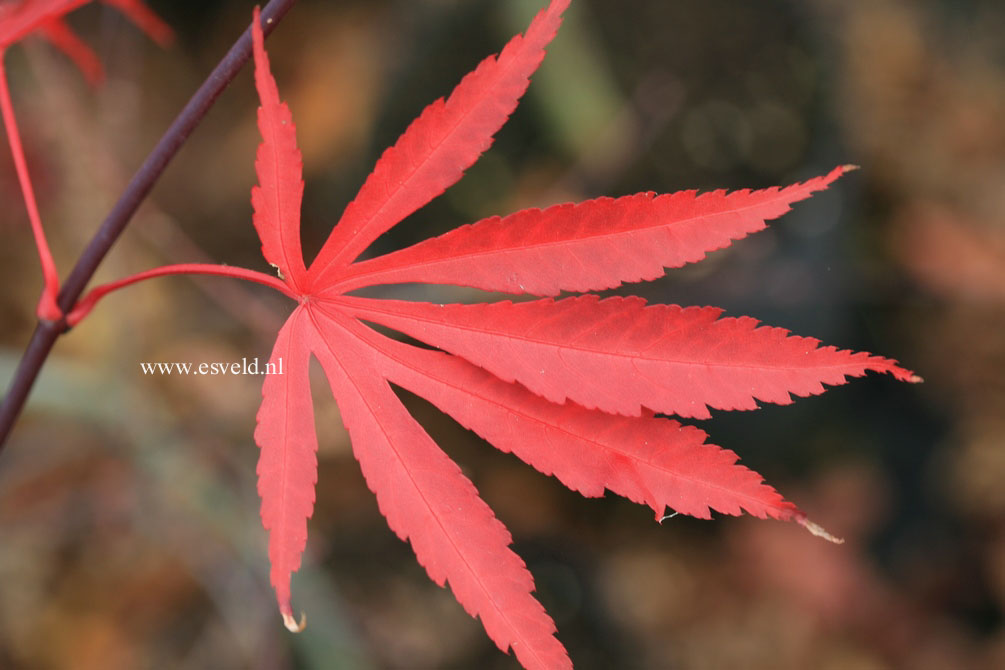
139 187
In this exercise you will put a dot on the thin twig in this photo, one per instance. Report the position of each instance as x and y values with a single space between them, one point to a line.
138 188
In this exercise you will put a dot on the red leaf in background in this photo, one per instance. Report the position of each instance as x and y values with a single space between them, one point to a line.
64 39
23 17
570 386
19 18
144 19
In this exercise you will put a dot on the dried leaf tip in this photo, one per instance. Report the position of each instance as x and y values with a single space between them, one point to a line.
292 624
819 531
851 167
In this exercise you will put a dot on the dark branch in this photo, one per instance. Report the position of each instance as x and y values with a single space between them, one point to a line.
139 187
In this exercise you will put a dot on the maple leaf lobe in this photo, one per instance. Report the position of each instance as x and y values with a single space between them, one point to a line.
277 198
435 150
619 355
589 246
287 465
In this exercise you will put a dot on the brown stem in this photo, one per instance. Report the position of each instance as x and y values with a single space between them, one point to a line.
138 188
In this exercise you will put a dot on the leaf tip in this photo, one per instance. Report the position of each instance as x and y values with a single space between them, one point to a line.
819 531
915 379
292 624
850 167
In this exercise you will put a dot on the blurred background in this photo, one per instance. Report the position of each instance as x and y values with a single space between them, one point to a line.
129 530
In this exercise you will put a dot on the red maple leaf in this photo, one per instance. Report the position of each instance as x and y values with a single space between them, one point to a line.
572 386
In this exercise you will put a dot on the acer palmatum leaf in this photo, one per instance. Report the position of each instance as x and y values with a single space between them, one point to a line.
619 355
572 386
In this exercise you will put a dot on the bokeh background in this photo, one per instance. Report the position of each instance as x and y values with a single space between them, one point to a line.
129 531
